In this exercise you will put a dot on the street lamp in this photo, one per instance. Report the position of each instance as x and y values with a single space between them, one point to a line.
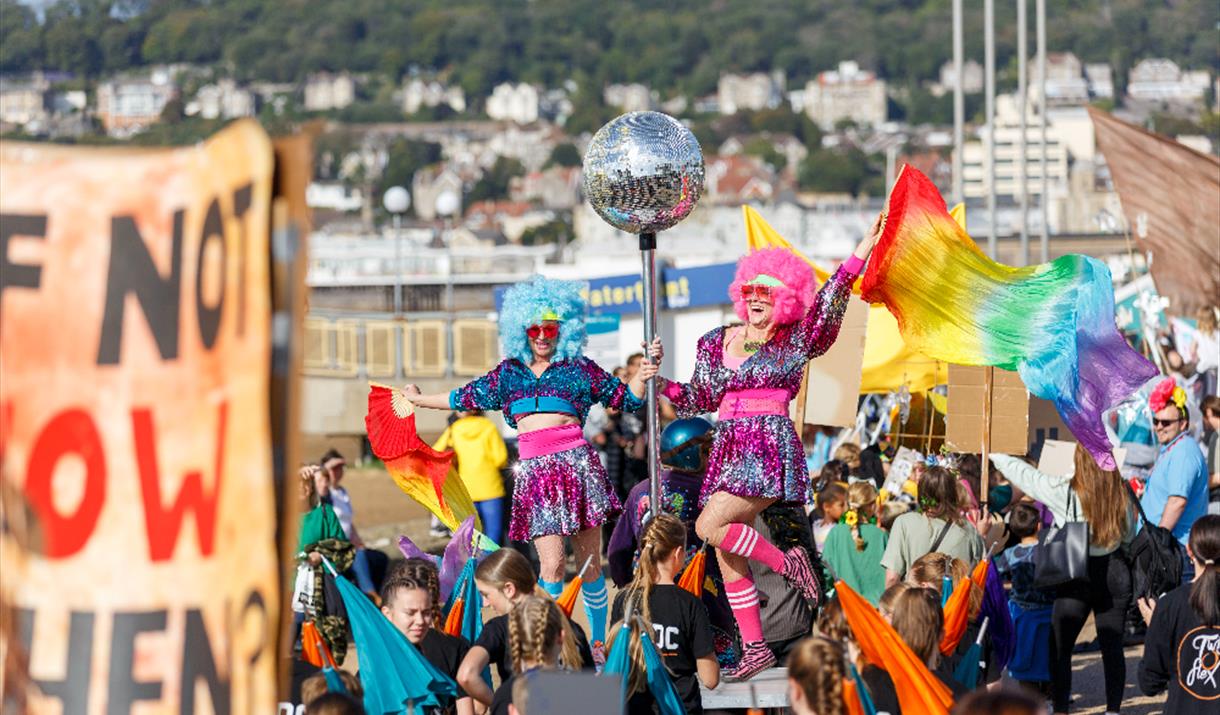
397 200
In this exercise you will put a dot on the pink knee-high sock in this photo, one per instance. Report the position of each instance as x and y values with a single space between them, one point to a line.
743 599
744 541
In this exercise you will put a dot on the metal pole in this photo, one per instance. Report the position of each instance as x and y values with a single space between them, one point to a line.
1022 107
1040 29
959 107
397 265
648 246
989 79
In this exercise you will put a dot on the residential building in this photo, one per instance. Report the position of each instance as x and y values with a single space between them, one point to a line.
418 93
127 105
531 145
223 99
1007 155
629 97
1065 81
972 78
555 188
1101 80
737 180
846 94
429 184
519 103
792 149
325 92
751 92
1161 80
333 196
24 100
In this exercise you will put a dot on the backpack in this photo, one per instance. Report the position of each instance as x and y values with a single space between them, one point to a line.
1156 557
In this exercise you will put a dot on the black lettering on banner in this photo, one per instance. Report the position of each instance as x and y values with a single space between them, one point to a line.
122 690
132 271
19 275
73 690
242 199
197 662
254 602
209 315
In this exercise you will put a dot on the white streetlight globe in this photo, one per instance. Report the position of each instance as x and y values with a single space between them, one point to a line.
396 200
447 203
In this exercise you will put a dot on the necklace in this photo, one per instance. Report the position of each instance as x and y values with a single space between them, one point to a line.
752 346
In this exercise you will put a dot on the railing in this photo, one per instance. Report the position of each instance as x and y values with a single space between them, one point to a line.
377 261
378 347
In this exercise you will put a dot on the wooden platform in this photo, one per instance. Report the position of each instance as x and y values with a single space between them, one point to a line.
770 691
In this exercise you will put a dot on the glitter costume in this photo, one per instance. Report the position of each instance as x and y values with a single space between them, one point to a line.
756 454
560 492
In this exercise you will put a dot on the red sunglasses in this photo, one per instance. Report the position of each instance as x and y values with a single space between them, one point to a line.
550 331
754 291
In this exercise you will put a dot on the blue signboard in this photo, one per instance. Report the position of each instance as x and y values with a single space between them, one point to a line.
680 288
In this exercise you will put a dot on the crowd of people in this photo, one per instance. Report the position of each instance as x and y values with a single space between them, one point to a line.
783 547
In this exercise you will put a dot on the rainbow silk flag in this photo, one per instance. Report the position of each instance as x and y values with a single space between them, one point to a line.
1052 323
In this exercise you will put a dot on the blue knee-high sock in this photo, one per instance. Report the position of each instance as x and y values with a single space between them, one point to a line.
554 588
596 600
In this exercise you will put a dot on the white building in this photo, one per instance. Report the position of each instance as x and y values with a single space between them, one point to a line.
126 105
518 103
972 78
222 100
1007 155
23 101
333 195
847 93
1101 80
325 91
1161 80
418 93
1065 82
629 97
752 92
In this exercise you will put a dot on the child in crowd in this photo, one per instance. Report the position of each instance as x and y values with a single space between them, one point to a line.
929 571
854 547
679 620
410 601
918 619
504 579
334 704
535 641
815 678
885 604
315 686
1030 606
831 503
890 511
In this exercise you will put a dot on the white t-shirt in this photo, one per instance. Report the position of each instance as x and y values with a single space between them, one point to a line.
1207 351
341 502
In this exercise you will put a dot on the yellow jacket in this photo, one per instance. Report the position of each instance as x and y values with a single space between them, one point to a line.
480 453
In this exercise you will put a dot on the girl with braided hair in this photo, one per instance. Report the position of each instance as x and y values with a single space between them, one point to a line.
410 599
535 640
750 373
505 578
855 545
545 387
815 677
681 628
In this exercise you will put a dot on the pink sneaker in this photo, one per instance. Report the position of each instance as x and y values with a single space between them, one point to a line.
799 572
599 655
755 658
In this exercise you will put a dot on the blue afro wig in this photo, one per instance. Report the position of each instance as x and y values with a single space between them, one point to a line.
526 304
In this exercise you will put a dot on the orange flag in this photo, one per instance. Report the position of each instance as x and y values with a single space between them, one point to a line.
453 622
313 648
956 611
692 576
426 475
979 574
567 599
918 690
851 697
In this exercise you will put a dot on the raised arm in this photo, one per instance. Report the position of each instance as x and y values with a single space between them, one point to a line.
819 328
1051 491
482 393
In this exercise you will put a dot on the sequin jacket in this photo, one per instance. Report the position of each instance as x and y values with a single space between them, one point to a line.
580 381
778 364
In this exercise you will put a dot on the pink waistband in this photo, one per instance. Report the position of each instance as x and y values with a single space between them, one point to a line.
549 440
748 403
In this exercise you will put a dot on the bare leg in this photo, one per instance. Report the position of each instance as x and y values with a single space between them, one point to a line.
723 509
588 543
550 557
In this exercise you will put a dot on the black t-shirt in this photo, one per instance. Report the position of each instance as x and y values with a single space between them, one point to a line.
881 689
494 639
445 653
681 632
503 696
1180 655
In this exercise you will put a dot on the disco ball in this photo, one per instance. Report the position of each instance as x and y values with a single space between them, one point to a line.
643 172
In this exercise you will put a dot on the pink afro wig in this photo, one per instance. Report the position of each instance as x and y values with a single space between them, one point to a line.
793 300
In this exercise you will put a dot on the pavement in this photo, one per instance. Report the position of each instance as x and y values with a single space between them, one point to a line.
383 512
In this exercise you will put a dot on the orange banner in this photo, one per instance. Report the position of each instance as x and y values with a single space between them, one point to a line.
134 418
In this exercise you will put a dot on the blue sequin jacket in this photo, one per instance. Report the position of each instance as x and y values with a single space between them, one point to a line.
579 381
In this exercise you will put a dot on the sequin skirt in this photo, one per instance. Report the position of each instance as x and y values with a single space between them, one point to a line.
561 493
758 456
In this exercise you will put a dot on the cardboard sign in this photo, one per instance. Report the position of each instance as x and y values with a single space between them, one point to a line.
901 466
1058 458
1009 410
135 325
833 388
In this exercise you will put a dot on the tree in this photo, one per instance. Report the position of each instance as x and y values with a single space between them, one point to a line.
836 171
553 231
494 184
20 37
565 154
404 158
762 148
